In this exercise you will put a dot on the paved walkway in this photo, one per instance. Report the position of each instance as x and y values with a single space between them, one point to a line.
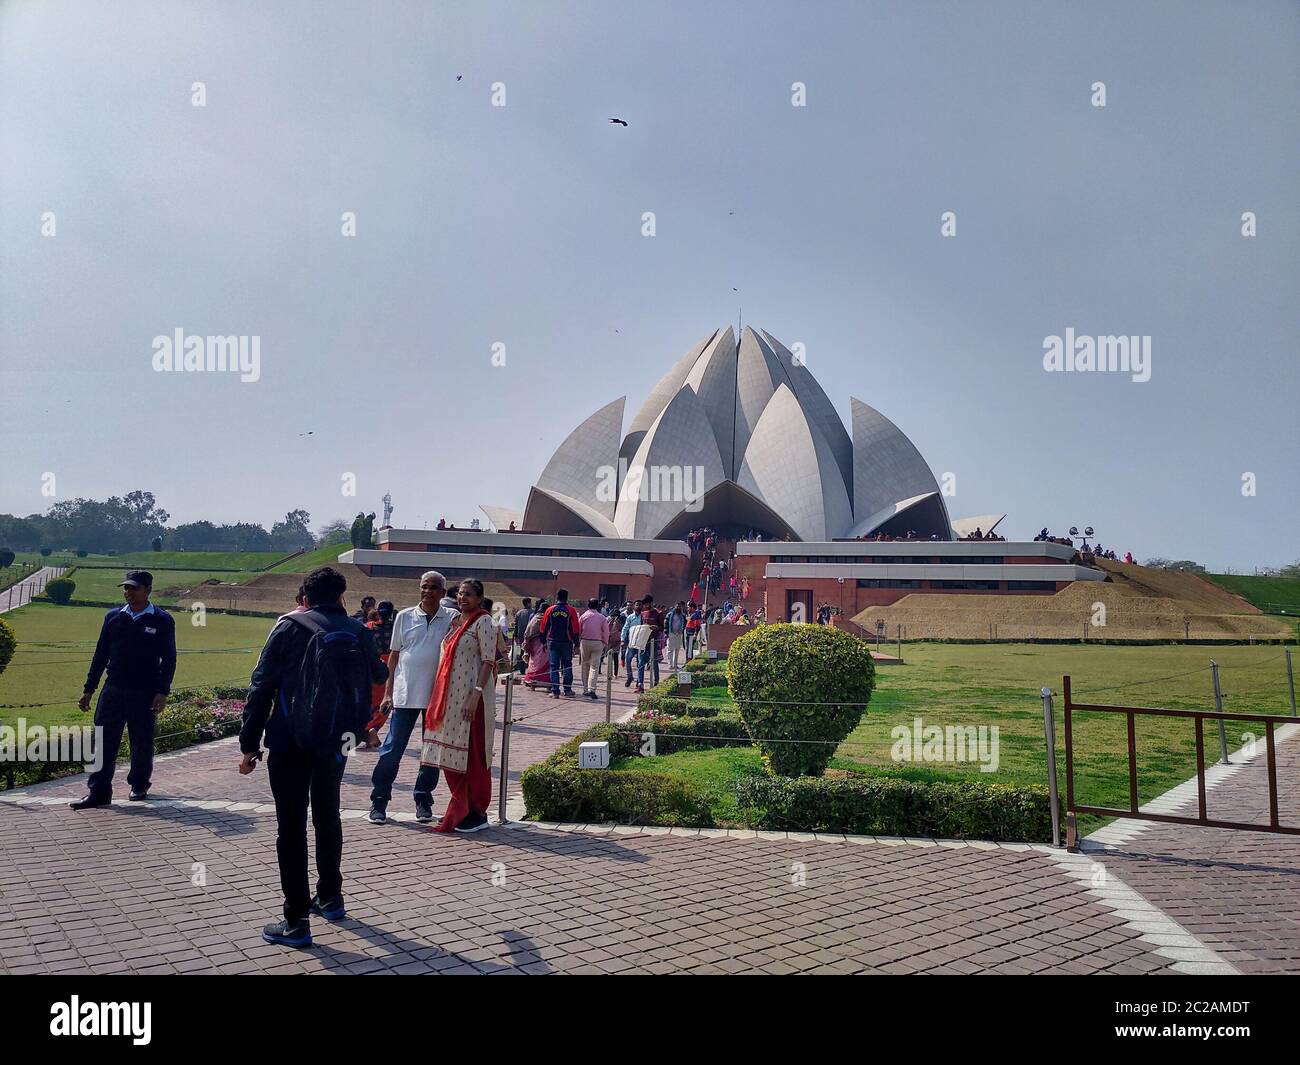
20 593
184 883
1238 892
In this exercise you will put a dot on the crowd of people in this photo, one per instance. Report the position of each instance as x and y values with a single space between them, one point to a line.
887 538
1087 555
978 534
637 636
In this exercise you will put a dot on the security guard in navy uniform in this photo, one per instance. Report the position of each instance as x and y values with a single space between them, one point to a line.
137 644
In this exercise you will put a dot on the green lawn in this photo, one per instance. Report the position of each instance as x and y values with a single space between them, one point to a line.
1273 595
101 584
998 685
55 645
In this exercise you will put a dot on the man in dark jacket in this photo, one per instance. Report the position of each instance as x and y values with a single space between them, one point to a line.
299 777
137 645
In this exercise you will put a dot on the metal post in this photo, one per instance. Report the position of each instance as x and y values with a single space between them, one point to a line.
1218 708
609 683
505 748
1290 681
900 642
1049 730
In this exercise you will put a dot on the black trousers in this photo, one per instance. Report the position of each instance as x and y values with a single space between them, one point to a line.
298 780
118 709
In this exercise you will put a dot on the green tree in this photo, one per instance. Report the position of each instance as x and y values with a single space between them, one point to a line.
337 531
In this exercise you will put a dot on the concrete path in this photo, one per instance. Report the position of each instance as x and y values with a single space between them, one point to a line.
20 594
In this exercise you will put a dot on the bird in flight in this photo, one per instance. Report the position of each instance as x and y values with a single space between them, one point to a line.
459 76
617 122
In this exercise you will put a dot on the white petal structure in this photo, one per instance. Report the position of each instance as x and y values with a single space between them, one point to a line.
501 517
985 523
577 468
675 465
888 471
789 465
738 432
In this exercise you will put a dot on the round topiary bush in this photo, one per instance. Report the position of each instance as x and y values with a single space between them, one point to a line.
60 589
803 683
6 558
46 552
82 552
8 643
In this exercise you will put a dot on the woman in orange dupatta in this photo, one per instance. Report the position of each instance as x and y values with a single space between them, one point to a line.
461 718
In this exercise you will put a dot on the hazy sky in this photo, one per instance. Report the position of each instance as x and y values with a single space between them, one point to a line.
521 225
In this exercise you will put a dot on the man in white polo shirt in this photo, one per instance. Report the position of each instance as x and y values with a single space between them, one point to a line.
416 648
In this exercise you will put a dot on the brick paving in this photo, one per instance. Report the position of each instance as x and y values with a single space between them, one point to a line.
1238 892
111 891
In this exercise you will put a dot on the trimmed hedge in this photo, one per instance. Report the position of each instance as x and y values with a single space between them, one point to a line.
892 806
557 790
688 733
712 677
8 643
654 703
801 690
60 590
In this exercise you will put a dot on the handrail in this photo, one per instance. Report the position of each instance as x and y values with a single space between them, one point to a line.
1073 808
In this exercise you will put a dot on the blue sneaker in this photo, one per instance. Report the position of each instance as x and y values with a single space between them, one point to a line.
331 909
284 934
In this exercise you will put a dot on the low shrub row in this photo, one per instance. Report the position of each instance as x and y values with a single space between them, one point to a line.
557 790
687 733
654 703
892 806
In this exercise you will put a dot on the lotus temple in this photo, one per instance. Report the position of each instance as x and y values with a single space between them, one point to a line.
739 437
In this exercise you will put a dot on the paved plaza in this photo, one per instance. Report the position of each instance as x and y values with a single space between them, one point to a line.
184 883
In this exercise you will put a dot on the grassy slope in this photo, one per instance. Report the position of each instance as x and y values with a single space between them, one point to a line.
101 584
1273 595
326 555
946 684
55 645
155 560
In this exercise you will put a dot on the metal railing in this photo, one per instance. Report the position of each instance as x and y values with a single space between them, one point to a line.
1073 808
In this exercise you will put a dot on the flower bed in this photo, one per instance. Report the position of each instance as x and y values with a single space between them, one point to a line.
200 716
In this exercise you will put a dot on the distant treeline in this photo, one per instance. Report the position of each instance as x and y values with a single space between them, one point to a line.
135 522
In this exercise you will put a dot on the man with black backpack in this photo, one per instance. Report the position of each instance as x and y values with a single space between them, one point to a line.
310 694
